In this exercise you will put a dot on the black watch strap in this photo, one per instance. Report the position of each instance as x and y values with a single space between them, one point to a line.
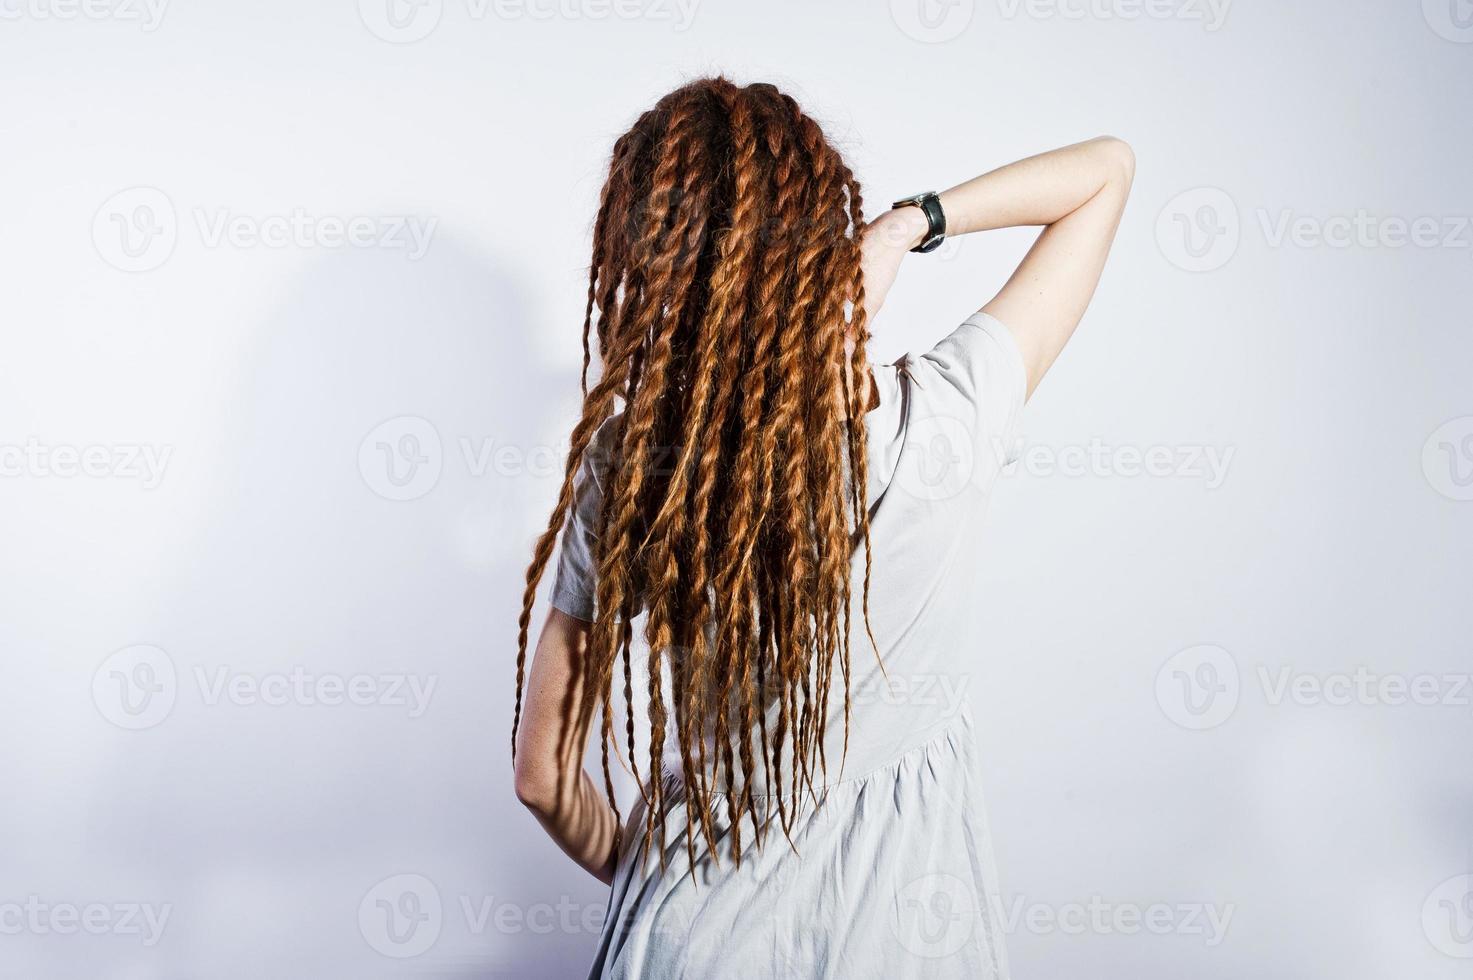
930 205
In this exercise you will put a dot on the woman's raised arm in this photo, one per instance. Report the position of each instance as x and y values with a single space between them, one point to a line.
1076 192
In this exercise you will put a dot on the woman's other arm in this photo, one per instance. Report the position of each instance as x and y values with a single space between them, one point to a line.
550 778
1077 193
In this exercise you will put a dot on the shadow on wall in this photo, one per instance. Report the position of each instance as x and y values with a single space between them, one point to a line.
331 788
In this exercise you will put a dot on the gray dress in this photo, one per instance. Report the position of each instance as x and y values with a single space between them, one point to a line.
893 875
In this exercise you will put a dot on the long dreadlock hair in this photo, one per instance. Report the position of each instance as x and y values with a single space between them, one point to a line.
725 279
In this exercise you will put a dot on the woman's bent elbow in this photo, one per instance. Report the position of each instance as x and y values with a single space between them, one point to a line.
1121 157
536 791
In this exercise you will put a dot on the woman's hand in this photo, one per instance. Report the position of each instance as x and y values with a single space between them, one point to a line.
887 239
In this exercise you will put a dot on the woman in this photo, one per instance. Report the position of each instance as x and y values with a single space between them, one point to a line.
761 535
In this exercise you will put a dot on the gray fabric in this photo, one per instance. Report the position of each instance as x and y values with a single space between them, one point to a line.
893 874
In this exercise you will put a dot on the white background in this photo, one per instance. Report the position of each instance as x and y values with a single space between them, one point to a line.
269 827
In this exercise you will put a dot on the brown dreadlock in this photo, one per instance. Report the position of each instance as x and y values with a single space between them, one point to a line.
725 279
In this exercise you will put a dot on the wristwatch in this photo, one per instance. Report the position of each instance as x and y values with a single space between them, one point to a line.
930 204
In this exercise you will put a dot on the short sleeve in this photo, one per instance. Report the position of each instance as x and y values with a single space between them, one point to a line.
980 365
574 586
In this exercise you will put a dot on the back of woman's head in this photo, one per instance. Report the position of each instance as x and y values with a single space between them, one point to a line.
725 300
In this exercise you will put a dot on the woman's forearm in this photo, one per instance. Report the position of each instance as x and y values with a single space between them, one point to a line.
1038 190
550 779
583 825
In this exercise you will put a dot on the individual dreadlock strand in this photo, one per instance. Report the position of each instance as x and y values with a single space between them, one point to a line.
780 610
625 643
587 668
760 669
604 739
680 677
609 198
747 706
859 374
